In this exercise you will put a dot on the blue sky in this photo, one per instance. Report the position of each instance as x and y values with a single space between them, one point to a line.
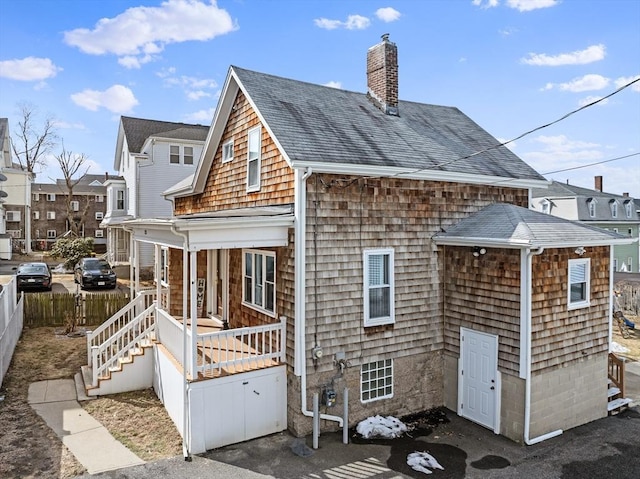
511 65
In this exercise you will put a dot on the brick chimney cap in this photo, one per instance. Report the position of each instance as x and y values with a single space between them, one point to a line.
385 37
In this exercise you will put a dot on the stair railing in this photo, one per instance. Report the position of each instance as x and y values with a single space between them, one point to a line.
121 344
616 372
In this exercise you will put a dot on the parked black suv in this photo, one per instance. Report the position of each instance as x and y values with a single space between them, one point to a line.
94 273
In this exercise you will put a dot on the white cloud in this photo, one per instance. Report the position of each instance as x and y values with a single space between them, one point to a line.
333 84
485 4
528 5
203 117
117 99
590 54
387 14
28 69
64 125
353 22
143 32
194 88
559 152
506 32
590 99
620 82
589 82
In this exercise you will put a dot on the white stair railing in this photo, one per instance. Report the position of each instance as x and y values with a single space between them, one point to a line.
118 321
107 355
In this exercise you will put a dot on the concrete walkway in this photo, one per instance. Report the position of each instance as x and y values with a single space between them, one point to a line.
56 401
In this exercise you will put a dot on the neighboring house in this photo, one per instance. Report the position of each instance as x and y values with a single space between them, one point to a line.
15 201
332 239
618 213
51 211
150 156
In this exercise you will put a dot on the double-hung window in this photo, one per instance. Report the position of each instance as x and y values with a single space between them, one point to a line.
592 207
259 280
75 205
614 209
227 151
120 199
174 154
579 283
253 160
188 155
379 305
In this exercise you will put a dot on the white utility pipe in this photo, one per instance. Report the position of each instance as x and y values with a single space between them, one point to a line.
300 362
526 298
316 420
345 416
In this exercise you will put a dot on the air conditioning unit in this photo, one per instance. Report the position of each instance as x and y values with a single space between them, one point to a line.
13 216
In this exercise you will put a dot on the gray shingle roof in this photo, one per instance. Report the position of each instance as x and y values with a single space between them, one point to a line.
508 224
138 130
318 123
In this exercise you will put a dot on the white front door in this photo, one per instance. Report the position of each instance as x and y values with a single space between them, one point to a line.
478 396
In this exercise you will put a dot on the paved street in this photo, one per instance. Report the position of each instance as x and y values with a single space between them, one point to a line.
605 449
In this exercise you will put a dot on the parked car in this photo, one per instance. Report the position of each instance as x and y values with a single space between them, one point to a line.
33 276
94 273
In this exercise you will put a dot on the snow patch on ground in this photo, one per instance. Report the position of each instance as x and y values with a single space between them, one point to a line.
423 462
377 426
618 348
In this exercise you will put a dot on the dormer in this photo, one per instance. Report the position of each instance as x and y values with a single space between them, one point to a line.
545 206
591 204
613 204
628 208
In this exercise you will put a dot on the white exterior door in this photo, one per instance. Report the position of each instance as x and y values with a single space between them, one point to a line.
478 395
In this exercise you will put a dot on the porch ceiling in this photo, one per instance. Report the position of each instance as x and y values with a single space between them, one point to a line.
242 228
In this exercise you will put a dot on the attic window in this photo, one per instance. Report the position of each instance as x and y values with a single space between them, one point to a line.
628 209
253 160
614 209
545 206
591 203
227 151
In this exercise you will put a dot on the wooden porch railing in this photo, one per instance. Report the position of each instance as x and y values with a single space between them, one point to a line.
122 343
616 372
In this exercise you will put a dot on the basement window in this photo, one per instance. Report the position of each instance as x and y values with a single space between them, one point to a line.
376 380
579 283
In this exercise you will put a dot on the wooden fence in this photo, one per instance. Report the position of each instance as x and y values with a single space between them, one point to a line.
629 299
56 309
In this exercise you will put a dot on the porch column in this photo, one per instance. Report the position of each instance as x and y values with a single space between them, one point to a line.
131 266
136 255
158 258
193 297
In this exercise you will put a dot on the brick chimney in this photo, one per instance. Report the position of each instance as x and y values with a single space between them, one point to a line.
626 195
382 75
598 183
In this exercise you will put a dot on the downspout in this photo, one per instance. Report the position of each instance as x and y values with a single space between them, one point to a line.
300 362
611 300
525 290
186 452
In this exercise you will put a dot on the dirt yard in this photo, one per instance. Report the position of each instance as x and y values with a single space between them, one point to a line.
31 449
631 342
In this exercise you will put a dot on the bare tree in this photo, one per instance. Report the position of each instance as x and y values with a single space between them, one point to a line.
30 144
71 164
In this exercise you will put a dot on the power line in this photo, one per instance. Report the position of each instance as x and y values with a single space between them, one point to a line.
592 164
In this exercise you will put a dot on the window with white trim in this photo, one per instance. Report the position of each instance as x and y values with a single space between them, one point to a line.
253 159
13 216
51 215
615 264
99 215
259 280
545 206
227 151
99 198
376 380
75 205
99 234
188 155
614 209
51 196
174 154
592 208
379 300
628 209
119 200
51 234
579 283
164 266
36 197
36 215
630 264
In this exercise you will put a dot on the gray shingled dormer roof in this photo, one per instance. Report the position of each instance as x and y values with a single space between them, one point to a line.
315 123
511 226
582 197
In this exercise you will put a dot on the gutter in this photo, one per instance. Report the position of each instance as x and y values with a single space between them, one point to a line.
525 333
300 363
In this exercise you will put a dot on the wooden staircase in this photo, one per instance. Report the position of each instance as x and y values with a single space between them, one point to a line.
615 391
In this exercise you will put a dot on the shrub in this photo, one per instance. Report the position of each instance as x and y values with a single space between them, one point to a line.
72 250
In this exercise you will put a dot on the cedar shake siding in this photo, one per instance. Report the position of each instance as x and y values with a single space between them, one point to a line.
483 293
226 186
561 336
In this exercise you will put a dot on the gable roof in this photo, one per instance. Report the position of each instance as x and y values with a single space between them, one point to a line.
583 196
339 131
510 226
138 130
